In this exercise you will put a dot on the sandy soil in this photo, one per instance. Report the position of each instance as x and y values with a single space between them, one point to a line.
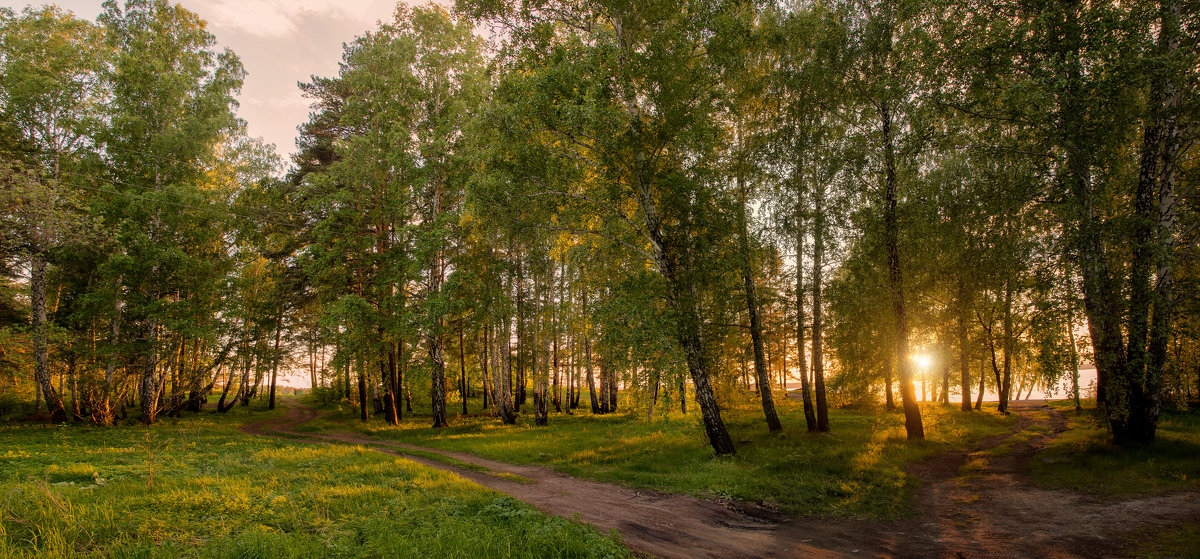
995 512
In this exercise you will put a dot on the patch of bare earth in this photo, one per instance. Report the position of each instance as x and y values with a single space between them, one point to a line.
994 512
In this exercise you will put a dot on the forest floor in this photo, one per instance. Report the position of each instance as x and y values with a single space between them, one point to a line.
978 502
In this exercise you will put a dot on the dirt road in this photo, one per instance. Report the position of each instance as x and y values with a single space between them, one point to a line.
991 512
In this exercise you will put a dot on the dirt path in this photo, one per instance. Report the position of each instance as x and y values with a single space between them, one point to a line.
992 513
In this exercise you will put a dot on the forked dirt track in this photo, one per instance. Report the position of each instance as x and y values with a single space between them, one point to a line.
994 512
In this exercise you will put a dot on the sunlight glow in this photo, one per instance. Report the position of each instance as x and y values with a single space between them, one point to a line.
923 360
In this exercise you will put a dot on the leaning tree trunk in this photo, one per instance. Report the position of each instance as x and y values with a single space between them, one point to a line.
682 298
756 339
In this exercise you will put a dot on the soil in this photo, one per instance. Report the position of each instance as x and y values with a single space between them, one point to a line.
991 511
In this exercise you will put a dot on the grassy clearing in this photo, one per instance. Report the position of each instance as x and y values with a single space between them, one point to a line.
1083 459
74 491
857 471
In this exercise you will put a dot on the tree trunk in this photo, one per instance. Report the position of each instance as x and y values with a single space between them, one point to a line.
761 375
1009 341
912 413
462 369
391 402
964 349
1074 348
1134 418
149 367
484 351
362 387
810 417
982 380
587 360
275 359
889 398
502 374
818 352
41 353
945 395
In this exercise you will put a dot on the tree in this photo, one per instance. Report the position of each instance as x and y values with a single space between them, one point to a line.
172 102
642 127
49 83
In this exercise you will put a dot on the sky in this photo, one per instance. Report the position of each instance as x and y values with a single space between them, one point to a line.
280 42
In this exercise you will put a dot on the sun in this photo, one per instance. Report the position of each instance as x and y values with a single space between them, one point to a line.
922 360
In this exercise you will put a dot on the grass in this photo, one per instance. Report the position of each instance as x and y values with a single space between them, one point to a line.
1174 543
75 491
857 471
1084 459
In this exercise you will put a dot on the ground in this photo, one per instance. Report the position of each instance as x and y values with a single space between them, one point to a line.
309 481
978 502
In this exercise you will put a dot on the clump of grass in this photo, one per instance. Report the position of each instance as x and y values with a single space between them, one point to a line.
220 493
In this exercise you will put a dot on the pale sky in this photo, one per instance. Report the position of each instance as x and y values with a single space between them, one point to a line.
280 42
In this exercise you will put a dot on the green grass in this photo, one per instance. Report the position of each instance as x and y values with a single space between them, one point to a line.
1084 459
75 491
857 471
1174 543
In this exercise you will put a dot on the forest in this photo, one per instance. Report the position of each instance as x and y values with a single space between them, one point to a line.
531 212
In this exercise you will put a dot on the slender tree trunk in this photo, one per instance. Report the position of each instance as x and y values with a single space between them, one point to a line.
275 359
818 351
945 395
41 354
520 376
484 349
982 380
362 387
889 398
912 413
541 407
964 349
810 416
1006 382
462 369
761 374
587 360
503 377
391 403
1074 349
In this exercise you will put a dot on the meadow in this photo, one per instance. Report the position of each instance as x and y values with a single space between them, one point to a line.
199 487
